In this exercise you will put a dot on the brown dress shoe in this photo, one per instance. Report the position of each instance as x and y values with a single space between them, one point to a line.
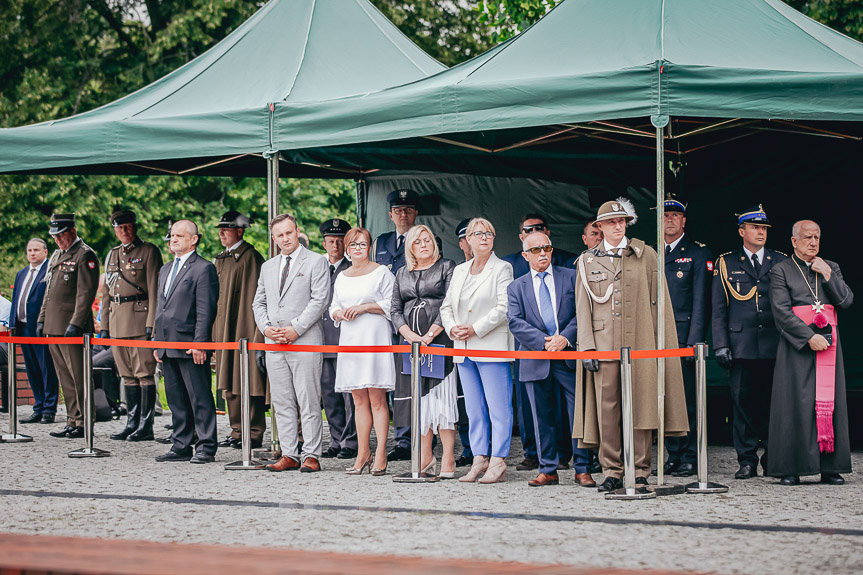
310 465
284 463
584 480
544 479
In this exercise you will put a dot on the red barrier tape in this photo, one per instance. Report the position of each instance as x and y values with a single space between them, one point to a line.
449 352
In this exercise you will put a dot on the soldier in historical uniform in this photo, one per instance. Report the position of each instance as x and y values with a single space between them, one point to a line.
745 335
128 312
238 266
72 280
389 250
339 407
689 273
616 306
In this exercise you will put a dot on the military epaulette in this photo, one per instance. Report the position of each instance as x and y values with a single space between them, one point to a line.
86 247
780 253
723 255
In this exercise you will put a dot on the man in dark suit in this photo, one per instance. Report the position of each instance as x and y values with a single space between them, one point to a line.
541 316
339 407
529 224
186 310
388 250
688 271
745 336
26 302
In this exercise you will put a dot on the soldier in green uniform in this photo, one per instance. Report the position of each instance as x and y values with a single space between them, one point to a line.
128 311
71 281
239 266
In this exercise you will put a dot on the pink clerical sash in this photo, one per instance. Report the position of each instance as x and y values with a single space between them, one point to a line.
825 376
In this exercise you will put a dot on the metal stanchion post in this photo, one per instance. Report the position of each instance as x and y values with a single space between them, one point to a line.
88 451
415 476
13 436
629 489
702 485
245 406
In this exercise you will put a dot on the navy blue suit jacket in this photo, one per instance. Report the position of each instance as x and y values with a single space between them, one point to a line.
189 310
527 327
34 300
559 258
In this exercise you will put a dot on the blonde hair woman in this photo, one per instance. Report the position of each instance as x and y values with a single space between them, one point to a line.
419 290
474 315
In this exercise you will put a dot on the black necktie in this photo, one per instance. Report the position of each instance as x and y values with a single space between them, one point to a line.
22 299
399 241
332 270
285 274
756 264
667 250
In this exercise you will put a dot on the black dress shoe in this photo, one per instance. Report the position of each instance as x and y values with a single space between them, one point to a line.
346 453
75 433
610 484
399 453
670 467
256 444
63 432
790 480
746 471
641 481
202 458
34 418
464 461
684 470
527 464
595 467
228 442
47 418
163 440
832 479
174 456
331 452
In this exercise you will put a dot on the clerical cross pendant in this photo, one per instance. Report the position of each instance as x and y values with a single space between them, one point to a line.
818 307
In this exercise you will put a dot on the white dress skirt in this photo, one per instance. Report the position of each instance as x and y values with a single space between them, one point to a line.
364 370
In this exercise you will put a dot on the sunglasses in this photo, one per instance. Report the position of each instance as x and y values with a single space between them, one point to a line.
546 248
534 228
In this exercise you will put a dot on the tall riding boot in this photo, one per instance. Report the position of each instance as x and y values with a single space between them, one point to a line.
148 410
133 411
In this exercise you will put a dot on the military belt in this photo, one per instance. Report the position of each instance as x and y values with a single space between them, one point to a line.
128 298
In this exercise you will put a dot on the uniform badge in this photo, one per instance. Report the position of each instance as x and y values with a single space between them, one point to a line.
128 266
679 274
136 260
590 260
335 223
66 277
615 207
91 265
682 260
709 266
403 194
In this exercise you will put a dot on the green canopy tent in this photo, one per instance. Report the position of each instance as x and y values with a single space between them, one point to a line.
213 116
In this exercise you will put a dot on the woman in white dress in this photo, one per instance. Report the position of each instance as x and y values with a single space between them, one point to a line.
361 307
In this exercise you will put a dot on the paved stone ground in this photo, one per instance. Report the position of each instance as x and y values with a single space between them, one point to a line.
754 528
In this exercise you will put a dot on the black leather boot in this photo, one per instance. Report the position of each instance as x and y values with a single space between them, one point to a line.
133 410
147 410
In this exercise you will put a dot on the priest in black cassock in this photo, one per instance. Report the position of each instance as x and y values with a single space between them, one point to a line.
808 411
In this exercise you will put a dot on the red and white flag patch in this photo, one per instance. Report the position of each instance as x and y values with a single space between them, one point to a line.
709 266
91 265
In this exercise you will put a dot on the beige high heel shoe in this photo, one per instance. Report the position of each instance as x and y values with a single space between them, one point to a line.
480 464
496 471
359 471
431 468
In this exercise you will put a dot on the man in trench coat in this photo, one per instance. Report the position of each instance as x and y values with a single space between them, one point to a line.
238 266
616 306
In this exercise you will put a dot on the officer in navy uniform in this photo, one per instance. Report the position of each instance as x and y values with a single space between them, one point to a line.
339 407
688 272
389 250
745 336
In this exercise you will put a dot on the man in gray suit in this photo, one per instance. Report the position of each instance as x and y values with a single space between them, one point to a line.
185 311
293 291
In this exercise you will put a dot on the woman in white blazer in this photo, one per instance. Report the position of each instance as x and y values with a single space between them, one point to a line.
474 315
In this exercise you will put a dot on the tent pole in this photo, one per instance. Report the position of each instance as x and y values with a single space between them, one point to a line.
361 202
660 122
275 450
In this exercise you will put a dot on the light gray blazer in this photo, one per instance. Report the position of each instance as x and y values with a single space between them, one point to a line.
302 302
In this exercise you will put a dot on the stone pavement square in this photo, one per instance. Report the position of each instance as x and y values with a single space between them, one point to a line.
757 527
